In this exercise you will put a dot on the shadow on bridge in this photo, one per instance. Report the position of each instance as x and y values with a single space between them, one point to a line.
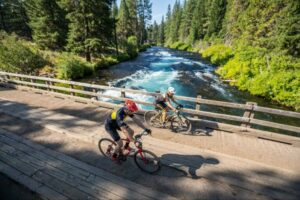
51 116
188 164
203 179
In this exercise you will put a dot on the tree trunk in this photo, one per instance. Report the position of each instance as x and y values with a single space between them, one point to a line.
2 19
116 39
87 32
87 54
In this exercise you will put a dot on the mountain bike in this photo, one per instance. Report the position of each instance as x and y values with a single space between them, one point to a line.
144 159
176 121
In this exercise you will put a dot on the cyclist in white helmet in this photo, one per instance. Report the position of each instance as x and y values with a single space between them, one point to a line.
164 102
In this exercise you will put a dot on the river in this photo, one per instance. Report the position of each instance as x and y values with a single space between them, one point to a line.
159 68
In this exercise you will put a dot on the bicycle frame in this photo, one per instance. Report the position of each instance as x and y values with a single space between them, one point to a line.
139 146
173 115
142 157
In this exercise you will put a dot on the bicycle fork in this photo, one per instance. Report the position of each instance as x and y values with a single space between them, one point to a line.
140 151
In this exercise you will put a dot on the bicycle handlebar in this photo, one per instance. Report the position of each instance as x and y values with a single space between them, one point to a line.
179 107
141 134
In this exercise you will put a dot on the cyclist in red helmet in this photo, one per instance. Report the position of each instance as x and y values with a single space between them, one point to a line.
115 122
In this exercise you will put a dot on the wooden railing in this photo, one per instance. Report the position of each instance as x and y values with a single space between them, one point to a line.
84 91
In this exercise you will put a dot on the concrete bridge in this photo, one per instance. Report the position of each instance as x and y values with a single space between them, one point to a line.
49 144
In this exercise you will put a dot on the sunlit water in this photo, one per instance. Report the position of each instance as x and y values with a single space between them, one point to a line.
159 68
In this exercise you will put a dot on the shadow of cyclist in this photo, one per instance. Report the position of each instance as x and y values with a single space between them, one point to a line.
188 164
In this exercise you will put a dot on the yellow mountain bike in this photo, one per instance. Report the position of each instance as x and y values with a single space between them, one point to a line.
176 121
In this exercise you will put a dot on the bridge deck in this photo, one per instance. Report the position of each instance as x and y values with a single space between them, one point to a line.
256 180
56 176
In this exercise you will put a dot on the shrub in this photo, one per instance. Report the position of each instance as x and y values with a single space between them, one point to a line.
105 61
123 57
17 57
73 69
184 47
218 54
144 47
131 46
273 76
176 45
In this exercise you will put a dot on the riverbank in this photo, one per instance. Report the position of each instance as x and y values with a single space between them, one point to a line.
18 55
271 75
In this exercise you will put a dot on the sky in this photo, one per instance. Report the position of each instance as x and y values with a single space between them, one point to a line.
159 8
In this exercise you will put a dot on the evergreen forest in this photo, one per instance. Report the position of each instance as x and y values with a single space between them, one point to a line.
255 44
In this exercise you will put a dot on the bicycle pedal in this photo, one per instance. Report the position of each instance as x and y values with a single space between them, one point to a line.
132 150
122 157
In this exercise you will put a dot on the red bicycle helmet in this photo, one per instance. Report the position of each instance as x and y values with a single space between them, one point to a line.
131 105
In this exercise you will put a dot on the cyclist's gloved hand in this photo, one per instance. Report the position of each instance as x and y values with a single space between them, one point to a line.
148 130
137 137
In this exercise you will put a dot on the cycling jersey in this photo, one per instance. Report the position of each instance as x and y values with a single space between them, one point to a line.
163 98
116 118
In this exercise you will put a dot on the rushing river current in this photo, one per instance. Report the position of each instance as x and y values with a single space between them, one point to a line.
159 68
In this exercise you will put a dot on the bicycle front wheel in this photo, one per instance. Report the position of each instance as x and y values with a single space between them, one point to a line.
147 161
151 118
181 124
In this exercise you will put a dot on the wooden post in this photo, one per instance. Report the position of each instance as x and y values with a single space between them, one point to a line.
20 79
123 94
95 91
32 81
72 87
50 83
197 105
248 114
7 78
47 83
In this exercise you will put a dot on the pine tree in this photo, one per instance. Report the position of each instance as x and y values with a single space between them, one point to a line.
216 15
186 22
144 10
90 26
114 16
13 18
168 24
175 22
133 18
198 29
48 23
162 32
123 29
155 33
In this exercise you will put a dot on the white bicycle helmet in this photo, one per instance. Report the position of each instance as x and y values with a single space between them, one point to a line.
171 90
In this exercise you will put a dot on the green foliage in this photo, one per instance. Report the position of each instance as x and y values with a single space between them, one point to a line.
276 77
15 56
216 13
131 46
144 47
13 18
76 87
70 68
48 23
218 54
123 57
184 47
90 26
105 61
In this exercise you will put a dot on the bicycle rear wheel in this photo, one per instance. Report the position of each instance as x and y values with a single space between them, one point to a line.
151 118
147 161
181 124
107 147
